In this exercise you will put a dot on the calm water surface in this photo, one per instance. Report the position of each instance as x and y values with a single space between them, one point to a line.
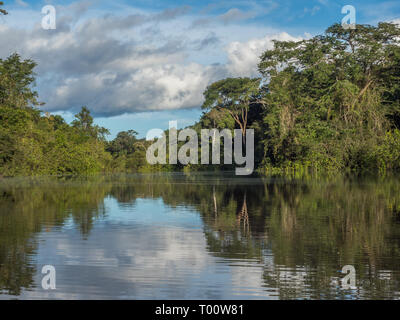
177 236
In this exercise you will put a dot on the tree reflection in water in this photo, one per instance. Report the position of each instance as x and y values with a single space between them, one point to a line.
301 231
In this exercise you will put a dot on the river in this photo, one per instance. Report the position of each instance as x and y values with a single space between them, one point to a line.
199 236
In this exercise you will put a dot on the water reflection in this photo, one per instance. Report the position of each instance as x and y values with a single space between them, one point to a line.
205 236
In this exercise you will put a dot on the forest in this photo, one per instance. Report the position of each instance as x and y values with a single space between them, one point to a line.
329 103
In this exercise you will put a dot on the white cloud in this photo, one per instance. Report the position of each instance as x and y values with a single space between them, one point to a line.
244 57
133 61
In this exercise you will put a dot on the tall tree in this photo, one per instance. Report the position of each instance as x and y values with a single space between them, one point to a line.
233 96
83 120
124 143
329 98
16 81
84 123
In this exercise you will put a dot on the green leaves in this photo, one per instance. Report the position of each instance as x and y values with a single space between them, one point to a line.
84 124
16 81
234 96
333 96
231 93
332 101
123 144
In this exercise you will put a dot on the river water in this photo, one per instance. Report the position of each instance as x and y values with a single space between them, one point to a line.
200 236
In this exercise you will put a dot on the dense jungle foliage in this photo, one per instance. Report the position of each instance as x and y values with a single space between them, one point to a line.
330 103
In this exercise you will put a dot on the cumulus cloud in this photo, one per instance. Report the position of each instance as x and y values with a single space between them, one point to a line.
210 40
158 87
244 57
130 62
139 260
395 21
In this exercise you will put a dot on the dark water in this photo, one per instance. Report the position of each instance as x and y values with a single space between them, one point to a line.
199 237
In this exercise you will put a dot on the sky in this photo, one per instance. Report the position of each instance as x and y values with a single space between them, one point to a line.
140 64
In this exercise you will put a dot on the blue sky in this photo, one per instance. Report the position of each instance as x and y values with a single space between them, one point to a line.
140 64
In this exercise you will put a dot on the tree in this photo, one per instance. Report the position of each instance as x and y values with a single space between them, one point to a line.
347 61
16 81
233 96
83 119
33 143
84 123
331 99
124 143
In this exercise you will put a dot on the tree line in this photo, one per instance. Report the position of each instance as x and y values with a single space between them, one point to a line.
331 102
